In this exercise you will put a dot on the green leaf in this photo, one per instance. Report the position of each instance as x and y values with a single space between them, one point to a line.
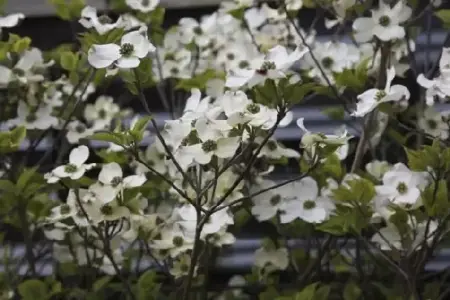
147 285
322 293
198 81
335 113
33 289
307 293
101 283
139 128
62 9
25 178
444 16
69 60
428 156
358 190
157 16
351 291
21 45
435 198
7 186
111 137
295 93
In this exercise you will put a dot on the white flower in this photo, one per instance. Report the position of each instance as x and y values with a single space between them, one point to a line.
273 66
274 150
111 175
11 20
402 186
266 205
240 110
384 23
294 4
439 86
333 57
277 259
142 5
433 123
174 240
377 168
103 24
76 167
77 130
301 201
134 46
203 152
370 99
34 117
102 112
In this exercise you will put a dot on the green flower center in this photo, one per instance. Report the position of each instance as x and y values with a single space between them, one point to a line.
107 210
380 95
116 181
184 267
209 146
178 241
384 21
70 168
80 128
272 145
402 188
126 49
174 71
145 2
432 124
102 114
253 108
169 56
197 30
234 132
64 209
31 118
104 19
266 66
309 204
243 64
230 56
275 200
327 62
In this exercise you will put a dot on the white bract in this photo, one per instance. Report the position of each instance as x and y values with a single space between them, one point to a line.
370 99
402 186
384 23
103 24
134 47
76 167
142 5
273 66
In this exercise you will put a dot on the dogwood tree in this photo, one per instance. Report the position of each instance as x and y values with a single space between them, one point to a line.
133 207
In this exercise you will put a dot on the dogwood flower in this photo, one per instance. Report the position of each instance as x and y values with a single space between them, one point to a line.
384 23
102 112
77 130
76 167
370 99
111 175
34 117
433 123
240 110
439 86
266 205
377 168
402 186
11 20
274 150
273 66
203 152
142 5
306 205
274 259
103 24
134 46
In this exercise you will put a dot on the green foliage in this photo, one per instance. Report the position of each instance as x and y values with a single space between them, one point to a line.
147 286
69 60
351 291
335 113
308 293
33 289
295 93
435 198
355 192
101 283
11 140
444 16
68 10
139 128
198 81
435 156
